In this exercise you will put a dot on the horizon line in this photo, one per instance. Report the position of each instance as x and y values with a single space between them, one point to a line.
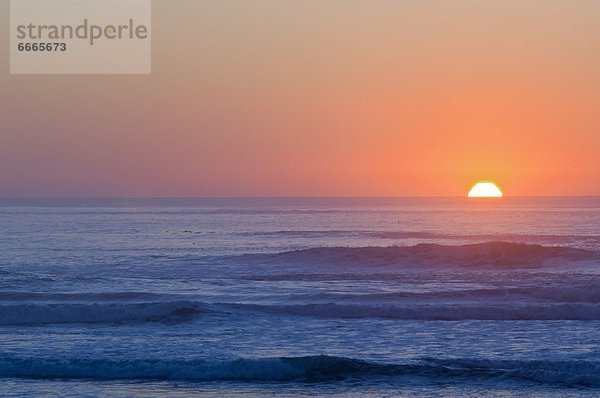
286 197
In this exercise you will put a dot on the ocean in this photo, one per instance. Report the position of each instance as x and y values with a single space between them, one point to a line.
294 297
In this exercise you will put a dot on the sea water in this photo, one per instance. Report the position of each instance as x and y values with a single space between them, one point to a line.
293 297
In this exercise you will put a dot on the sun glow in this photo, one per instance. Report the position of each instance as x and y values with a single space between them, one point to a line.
485 190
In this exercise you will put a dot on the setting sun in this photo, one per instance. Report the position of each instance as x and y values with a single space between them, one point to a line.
485 190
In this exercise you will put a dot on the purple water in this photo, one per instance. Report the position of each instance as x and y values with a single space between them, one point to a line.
366 297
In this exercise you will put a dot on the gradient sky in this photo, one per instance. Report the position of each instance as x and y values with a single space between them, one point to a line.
321 98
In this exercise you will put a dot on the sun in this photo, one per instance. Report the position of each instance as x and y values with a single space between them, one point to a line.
485 190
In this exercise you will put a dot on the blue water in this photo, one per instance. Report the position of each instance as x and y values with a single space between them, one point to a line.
292 297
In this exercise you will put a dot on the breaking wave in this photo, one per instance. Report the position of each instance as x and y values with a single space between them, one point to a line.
505 254
177 312
319 368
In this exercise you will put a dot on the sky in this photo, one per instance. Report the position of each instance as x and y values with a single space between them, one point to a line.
320 98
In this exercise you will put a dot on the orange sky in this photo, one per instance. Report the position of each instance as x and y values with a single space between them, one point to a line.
321 98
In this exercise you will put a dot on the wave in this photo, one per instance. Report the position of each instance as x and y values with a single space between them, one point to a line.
516 238
542 302
64 313
423 235
320 368
188 311
129 296
504 254
589 293
432 312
